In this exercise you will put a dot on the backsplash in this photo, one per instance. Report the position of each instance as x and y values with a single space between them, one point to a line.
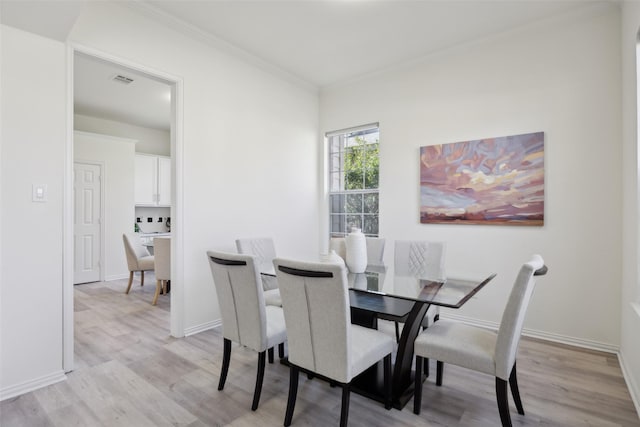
152 219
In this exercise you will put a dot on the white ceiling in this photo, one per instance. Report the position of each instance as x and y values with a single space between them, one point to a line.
143 102
324 42
317 42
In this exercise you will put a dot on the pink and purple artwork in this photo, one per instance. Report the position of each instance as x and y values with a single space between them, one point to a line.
487 181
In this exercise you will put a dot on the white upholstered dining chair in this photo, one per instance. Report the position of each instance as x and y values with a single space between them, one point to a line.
480 349
264 251
321 338
162 262
375 250
138 257
419 259
339 246
246 319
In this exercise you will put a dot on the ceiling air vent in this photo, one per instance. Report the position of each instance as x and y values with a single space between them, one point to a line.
122 79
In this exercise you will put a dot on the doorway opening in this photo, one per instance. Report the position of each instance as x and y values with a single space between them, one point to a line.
118 111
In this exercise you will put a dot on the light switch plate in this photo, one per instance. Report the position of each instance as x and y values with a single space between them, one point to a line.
39 192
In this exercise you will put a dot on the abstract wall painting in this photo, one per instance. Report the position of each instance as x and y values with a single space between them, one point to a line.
486 181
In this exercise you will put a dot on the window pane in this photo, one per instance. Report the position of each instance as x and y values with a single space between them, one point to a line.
336 183
354 173
370 224
335 144
335 162
370 203
337 224
371 166
353 180
337 203
354 203
353 221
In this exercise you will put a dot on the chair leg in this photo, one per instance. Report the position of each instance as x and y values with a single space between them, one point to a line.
513 382
294 371
281 350
142 278
259 378
387 381
130 282
158 288
503 402
226 356
397 332
417 386
270 355
425 367
439 371
344 412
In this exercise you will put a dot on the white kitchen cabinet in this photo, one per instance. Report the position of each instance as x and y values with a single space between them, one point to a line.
164 181
153 180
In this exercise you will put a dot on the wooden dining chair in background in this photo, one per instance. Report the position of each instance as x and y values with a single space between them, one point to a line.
162 262
138 257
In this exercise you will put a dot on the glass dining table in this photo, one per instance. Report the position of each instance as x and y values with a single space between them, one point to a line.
378 292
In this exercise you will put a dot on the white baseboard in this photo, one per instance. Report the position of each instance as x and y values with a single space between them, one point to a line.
116 277
561 339
634 391
203 327
31 385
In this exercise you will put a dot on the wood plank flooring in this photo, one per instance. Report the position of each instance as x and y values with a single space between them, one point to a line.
130 372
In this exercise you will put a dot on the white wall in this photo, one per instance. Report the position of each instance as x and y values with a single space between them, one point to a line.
561 77
117 157
250 146
33 139
630 325
249 159
151 141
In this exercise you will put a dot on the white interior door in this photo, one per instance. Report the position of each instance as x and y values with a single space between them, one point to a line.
87 228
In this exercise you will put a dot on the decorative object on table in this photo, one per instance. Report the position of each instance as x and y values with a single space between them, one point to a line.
486 181
356 251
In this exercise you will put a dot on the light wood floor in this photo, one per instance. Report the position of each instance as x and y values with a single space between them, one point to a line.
130 372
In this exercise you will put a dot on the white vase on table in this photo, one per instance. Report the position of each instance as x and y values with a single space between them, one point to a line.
356 251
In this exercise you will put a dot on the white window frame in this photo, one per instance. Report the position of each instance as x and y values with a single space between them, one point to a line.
369 222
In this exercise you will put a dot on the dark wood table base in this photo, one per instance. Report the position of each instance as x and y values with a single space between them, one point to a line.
370 383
